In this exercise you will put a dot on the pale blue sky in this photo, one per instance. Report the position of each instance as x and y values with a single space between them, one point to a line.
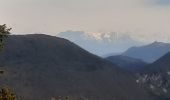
139 17
162 2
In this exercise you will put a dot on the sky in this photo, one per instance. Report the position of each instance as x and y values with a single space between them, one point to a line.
141 19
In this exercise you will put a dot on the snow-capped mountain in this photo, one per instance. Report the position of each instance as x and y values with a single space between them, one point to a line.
101 44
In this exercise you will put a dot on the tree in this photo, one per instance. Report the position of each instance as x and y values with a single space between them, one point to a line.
4 32
5 93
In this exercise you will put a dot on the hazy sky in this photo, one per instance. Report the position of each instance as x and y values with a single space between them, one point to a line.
140 17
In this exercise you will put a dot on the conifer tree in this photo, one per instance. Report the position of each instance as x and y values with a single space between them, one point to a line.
4 32
5 93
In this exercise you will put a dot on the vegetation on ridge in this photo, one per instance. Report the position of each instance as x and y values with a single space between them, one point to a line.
5 92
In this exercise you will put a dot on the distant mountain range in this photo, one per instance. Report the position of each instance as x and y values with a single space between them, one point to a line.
128 63
136 58
39 67
101 44
148 53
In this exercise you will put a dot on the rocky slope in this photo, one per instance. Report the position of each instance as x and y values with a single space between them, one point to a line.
156 78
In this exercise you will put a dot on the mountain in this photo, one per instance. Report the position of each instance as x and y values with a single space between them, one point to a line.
148 53
161 65
156 77
101 44
39 67
128 63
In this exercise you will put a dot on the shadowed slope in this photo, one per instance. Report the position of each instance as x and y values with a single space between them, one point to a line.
127 63
41 66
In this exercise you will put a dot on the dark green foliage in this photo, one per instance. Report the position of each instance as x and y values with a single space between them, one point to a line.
4 32
5 93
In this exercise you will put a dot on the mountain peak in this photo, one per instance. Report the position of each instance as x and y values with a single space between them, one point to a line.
157 43
150 52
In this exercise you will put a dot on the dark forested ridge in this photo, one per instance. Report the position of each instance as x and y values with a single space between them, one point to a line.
127 63
39 67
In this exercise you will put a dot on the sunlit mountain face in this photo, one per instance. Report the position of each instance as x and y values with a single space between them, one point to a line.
101 44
